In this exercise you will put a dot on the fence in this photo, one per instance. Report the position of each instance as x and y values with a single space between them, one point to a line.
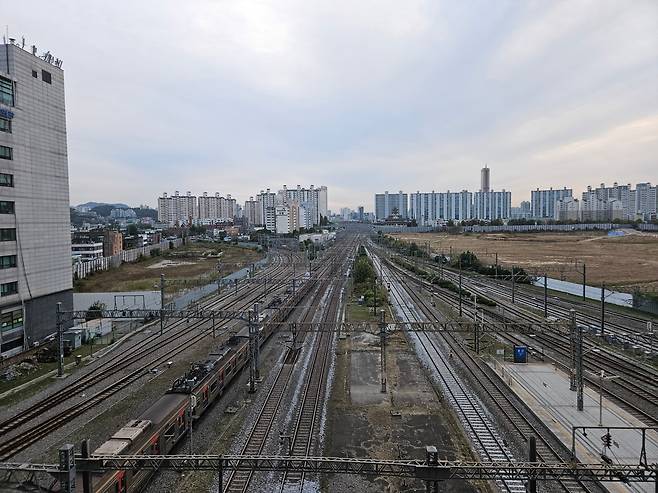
544 227
647 227
83 269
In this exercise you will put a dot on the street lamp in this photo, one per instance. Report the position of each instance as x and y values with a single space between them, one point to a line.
601 378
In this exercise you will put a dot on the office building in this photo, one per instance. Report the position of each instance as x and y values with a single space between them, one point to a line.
387 205
360 214
542 202
35 229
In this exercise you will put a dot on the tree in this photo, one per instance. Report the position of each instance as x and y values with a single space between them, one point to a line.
95 307
132 230
363 271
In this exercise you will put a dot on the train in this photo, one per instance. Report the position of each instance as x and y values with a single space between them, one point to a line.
157 430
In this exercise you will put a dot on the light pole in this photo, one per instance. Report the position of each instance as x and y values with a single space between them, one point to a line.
601 378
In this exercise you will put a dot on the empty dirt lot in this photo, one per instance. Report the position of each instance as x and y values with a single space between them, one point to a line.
192 261
625 262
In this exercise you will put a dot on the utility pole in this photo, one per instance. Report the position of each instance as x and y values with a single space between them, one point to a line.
584 280
162 303
545 295
252 354
460 286
513 281
192 399
257 336
579 368
60 341
532 456
572 338
219 277
602 308
382 345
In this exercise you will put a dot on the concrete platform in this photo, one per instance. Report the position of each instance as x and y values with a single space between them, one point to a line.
546 391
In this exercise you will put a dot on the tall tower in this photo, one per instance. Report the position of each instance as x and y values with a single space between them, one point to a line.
484 179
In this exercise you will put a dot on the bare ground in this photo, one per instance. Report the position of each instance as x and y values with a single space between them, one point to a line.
626 262
193 261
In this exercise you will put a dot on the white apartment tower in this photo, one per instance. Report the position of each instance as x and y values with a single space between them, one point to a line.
177 209
35 239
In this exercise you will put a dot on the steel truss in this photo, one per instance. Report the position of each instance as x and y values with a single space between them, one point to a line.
439 470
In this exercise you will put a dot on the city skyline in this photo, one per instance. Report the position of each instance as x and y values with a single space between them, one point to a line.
426 94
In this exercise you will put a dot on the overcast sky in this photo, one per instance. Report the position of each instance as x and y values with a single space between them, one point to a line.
361 96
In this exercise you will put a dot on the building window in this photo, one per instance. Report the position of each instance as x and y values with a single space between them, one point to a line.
7 261
35 74
6 91
6 207
5 125
5 152
11 320
7 234
46 77
8 288
6 180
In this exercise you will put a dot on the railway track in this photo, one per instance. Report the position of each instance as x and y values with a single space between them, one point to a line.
239 481
635 390
518 415
20 441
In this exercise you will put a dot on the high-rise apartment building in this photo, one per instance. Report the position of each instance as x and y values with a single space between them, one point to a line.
215 208
386 204
35 229
646 201
177 209
491 205
265 199
249 211
542 202
623 193
312 198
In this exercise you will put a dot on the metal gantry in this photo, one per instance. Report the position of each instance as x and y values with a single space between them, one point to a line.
431 470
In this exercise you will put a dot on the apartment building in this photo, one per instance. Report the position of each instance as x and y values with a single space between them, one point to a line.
542 202
386 204
215 208
35 239
177 209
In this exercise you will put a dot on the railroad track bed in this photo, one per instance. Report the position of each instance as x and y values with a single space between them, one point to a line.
508 408
635 390
74 400
287 413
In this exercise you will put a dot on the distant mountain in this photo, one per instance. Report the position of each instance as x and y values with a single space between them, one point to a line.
91 205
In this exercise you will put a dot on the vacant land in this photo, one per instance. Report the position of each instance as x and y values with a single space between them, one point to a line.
192 261
625 262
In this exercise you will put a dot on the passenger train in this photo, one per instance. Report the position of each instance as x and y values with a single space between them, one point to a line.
161 426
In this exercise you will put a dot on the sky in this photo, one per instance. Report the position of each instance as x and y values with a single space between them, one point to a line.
238 96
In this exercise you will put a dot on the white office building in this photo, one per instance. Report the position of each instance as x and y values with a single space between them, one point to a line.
35 239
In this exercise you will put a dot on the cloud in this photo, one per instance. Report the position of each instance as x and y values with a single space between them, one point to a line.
237 96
